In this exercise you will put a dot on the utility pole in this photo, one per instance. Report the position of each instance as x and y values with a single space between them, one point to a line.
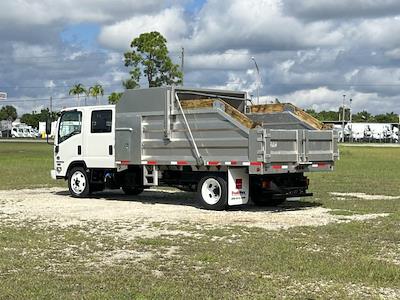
351 121
258 79
182 63
343 117
51 104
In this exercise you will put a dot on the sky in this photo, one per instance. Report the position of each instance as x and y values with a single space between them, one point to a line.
309 52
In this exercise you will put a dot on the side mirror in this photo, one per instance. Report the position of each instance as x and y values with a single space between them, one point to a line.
48 127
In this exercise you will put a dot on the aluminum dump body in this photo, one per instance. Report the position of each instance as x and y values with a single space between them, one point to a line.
198 127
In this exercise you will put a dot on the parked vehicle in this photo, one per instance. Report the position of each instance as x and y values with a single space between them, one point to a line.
370 132
208 141
17 132
24 131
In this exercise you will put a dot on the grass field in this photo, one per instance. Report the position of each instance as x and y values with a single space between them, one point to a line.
352 260
26 165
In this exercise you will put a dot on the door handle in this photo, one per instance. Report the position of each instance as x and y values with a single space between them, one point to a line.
79 150
110 149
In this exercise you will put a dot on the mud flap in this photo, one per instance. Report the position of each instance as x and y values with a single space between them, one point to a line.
238 186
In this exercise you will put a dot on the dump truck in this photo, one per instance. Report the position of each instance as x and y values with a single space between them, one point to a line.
212 142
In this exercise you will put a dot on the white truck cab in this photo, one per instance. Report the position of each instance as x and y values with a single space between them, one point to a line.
84 137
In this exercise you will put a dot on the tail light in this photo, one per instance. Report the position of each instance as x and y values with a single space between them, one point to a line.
265 184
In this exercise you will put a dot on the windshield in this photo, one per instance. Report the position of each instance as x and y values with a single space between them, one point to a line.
70 125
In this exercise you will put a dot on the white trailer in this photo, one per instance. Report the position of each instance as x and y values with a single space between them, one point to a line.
207 141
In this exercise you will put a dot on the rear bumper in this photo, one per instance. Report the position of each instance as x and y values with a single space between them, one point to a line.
284 168
287 194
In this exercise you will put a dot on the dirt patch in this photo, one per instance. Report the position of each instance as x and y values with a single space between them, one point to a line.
363 196
153 213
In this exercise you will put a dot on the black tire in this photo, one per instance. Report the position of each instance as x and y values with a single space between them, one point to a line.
218 196
78 182
132 190
261 199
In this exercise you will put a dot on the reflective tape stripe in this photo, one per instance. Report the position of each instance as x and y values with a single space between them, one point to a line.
285 167
149 162
246 163
255 163
213 163
320 165
179 162
276 167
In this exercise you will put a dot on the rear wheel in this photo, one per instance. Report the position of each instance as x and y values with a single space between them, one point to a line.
132 190
212 193
78 182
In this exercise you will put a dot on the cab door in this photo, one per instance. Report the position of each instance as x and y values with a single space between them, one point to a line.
68 141
99 140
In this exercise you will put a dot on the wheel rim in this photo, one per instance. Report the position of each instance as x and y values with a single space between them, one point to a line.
78 182
211 191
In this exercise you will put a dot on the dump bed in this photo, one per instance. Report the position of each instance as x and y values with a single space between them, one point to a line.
212 128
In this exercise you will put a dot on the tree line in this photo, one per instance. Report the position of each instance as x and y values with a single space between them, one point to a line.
359 117
9 113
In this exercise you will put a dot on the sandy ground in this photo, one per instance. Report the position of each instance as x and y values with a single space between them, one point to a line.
363 196
142 215
167 213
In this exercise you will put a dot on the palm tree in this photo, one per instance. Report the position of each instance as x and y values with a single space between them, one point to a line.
77 90
95 91
114 98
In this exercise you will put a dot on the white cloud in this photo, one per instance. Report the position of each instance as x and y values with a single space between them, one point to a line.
257 25
42 12
230 60
25 52
323 98
169 22
340 9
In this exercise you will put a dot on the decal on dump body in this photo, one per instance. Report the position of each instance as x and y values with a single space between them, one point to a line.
238 186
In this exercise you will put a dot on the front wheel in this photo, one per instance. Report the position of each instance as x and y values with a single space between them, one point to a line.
78 182
212 193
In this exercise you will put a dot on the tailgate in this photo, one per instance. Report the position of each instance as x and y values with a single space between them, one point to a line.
285 151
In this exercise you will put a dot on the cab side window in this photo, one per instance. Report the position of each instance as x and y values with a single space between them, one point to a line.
101 121
70 125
